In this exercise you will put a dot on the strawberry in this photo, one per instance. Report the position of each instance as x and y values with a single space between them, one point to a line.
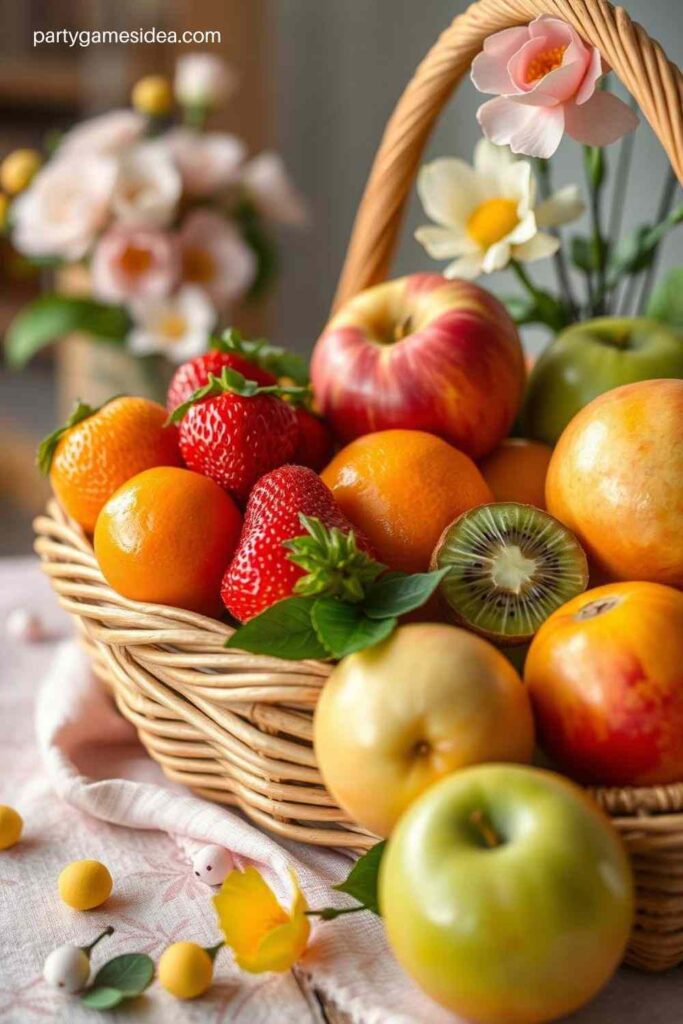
315 440
331 555
255 360
234 431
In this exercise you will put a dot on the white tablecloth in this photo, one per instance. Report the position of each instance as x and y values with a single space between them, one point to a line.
157 900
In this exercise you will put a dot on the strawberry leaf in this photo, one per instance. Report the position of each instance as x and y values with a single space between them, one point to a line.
269 357
235 383
361 882
343 628
399 593
333 562
48 445
285 630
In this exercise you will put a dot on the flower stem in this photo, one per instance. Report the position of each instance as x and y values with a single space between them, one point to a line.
329 913
88 949
594 165
561 269
665 204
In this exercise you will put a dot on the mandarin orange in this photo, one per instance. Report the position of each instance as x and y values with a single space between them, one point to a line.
516 471
166 537
402 488
97 450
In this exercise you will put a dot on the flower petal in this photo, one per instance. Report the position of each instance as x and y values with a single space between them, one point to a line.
467 267
593 72
497 256
523 231
489 68
601 120
444 243
449 191
562 207
537 248
491 159
247 910
533 131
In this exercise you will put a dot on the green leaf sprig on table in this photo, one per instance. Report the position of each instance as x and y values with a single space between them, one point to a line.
360 883
125 977
347 601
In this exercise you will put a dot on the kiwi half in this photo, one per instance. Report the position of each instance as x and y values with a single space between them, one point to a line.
511 565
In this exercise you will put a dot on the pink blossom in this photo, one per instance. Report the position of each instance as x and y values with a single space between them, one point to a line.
65 207
208 162
109 133
132 262
216 258
267 184
203 80
544 77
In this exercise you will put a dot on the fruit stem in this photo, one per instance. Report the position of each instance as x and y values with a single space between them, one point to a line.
88 949
329 913
485 829
212 950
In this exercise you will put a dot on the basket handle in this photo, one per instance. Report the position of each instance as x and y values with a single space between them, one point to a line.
654 82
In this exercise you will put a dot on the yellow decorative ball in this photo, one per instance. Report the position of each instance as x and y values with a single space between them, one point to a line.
11 825
185 970
85 884
153 95
17 169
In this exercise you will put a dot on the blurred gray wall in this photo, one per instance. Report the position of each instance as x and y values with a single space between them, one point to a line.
338 69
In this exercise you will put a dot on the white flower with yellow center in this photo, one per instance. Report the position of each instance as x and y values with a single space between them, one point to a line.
178 326
487 214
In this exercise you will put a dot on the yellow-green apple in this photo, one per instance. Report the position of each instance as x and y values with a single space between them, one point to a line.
507 895
394 718
590 358
421 353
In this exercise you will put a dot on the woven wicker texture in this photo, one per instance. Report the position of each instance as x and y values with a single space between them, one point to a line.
237 728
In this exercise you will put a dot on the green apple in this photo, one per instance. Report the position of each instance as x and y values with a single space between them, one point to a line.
507 894
590 358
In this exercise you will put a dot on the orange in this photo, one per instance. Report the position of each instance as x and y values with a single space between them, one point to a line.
166 537
402 488
99 449
616 480
516 471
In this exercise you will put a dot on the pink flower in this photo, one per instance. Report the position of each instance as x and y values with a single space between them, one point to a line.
208 162
65 207
544 77
109 133
134 263
267 184
215 258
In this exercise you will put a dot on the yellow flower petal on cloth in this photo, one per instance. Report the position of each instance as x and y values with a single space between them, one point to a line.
262 935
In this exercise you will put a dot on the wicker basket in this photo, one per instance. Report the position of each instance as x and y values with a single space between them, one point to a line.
236 727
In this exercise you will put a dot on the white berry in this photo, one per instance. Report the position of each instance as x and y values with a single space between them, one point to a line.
211 864
68 968
23 625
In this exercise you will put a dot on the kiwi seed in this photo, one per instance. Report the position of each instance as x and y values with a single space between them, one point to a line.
511 566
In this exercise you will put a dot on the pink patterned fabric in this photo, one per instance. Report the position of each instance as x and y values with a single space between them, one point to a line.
85 788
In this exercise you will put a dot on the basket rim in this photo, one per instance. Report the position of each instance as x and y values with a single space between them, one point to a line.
60 542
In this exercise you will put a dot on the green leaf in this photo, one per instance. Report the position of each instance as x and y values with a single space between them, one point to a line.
666 301
541 308
635 252
130 973
51 317
344 628
269 357
285 630
398 594
261 243
102 998
583 254
334 564
48 445
361 882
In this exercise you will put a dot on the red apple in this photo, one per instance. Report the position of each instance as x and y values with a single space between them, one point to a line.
421 353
